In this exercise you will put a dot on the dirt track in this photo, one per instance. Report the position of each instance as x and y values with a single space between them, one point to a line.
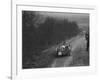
76 43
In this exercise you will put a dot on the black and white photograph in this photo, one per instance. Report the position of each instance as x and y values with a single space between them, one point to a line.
55 39
50 40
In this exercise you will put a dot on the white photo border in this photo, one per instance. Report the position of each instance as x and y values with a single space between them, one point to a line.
17 71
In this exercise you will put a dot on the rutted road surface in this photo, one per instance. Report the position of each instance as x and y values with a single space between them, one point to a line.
62 62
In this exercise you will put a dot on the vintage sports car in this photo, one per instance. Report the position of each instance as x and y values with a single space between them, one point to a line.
63 51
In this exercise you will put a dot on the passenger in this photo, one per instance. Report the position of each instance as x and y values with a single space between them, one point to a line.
68 50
